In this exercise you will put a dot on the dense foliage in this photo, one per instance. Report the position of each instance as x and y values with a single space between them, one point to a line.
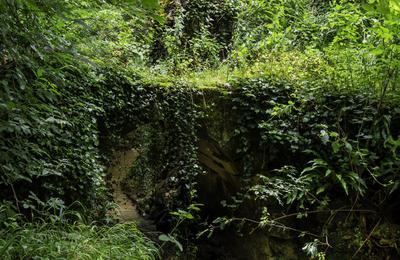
318 152
162 125
49 133
313 89
49 138
48 129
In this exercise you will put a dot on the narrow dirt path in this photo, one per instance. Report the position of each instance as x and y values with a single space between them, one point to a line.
126 210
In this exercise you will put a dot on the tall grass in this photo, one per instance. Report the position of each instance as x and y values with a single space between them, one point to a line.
78 241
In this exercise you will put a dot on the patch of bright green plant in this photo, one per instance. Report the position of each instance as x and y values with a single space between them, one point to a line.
76 241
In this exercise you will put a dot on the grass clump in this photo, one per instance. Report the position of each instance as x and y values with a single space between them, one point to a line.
79 241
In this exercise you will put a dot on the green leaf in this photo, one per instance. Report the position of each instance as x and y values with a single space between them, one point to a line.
182 214
328 172
336 147
169 238
348 146
320 190
395 5
343 183
164 237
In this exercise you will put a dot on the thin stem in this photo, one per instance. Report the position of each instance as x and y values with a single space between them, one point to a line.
325 211
15 197
368 237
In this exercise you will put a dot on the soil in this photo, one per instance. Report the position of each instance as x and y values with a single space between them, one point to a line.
127 209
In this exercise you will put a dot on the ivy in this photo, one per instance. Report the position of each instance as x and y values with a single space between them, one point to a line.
302 151
164 122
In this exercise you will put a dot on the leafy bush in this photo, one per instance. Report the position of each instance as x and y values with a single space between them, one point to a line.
48 128
49 133
196 35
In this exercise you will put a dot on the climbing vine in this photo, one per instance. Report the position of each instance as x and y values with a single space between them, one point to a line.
303 151
161 123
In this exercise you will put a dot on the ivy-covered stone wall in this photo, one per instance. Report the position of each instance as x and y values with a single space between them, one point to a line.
299 157
317 168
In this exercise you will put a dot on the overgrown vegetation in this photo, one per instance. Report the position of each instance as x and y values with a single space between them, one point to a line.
44 241
162 122
330 158
312 93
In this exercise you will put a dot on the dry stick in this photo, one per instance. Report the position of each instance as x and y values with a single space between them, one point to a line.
313 212
282 226
352 207
329 220
276 224
369 235
327 244
324 211
15 197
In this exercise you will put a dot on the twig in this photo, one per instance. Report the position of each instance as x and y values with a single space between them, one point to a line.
324 211
273 223
368 237
327 244
352 207
15 197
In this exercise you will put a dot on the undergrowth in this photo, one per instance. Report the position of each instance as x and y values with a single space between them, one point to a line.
77 241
